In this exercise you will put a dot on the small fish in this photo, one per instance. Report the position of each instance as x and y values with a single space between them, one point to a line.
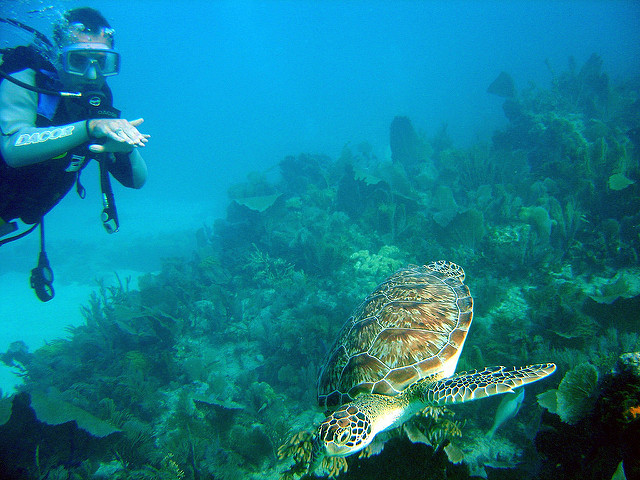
508 408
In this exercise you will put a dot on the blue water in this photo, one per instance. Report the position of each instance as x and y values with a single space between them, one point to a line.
231 87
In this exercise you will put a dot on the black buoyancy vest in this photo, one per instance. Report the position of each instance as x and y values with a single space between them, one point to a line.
31 191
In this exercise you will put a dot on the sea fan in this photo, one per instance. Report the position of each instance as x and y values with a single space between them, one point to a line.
575 396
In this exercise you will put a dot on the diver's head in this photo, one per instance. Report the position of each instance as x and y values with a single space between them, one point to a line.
85 43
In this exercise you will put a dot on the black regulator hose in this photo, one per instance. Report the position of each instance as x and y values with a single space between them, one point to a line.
43 38
38 89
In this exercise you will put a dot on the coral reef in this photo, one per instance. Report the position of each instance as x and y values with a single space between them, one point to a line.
211 364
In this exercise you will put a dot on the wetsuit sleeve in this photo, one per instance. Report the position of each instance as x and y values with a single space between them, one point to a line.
21 143
129 169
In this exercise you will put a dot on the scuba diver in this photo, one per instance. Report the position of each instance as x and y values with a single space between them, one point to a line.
55 116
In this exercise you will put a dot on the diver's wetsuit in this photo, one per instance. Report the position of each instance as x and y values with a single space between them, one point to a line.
53 129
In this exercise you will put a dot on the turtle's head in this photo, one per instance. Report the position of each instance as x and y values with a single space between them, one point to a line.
345 431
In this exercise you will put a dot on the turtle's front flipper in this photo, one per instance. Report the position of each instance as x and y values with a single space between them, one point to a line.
467 386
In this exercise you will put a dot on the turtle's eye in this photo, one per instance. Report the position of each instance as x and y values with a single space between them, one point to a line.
343 436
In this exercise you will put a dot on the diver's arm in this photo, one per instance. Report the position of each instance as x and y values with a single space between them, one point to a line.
138 169
129 169
21 143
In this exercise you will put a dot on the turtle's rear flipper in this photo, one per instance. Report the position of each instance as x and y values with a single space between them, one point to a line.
467 386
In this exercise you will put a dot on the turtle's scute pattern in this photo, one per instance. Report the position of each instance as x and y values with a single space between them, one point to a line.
348 422
478 384
411 326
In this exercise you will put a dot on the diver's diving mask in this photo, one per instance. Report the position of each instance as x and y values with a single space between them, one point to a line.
79 57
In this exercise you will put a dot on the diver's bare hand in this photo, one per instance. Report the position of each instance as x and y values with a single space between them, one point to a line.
122 135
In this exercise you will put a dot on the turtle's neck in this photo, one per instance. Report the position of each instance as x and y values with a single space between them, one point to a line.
388 412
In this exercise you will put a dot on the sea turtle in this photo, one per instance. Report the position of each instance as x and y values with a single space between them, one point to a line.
397 354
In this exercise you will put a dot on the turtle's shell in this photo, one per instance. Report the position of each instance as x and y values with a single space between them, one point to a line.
412 326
